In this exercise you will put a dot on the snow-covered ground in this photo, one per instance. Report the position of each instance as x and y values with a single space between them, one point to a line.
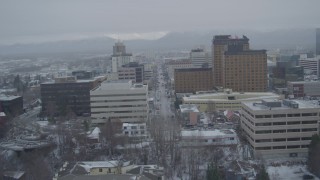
284 172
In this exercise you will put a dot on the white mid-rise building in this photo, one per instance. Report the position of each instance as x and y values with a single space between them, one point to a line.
310 64
277 128
138 130
120 60
119 100
200 58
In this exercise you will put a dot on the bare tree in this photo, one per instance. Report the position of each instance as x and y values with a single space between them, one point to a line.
36 165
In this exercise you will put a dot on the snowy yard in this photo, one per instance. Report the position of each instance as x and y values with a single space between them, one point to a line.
284 172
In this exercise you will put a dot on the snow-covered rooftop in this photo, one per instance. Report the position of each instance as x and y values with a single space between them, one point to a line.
101 164
94 134
207 133
189 108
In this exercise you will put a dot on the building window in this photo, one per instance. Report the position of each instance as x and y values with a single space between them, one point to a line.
279 123
279 131
279 147
293 122
293 130
100 169
309 129
279 140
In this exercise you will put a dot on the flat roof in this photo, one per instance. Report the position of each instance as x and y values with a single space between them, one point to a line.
193 69
303 104
119 85
304 82
207 133
223 96
188 108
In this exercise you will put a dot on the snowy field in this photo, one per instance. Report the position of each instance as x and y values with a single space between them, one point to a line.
283 172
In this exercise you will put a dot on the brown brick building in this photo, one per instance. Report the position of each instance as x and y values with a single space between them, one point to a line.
193 79
236 66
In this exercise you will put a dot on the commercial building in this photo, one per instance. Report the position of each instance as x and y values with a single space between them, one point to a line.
310 64
208 137
280 128
193 80
236 66
189 114
318 41
120 57
226 100
200 58
119 100
304 88
11 105
131 71
67 93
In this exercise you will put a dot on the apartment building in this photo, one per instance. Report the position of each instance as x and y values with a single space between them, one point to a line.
236 66
277 128
119 100
192 80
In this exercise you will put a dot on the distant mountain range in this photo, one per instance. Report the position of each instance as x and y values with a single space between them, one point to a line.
283 39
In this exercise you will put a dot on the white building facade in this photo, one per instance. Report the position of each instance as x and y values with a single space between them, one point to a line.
200 58
208 137
311 64
119 100
280 128
138 130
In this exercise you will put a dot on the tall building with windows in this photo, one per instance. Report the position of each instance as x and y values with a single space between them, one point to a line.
192 80
119 100
236 66
318 41
277 128
67 93
120 57
310 65
200 58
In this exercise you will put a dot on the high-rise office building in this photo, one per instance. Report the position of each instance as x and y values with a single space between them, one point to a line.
318 41
119 48
236 66
120 57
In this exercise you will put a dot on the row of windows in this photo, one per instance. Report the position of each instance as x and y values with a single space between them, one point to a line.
286 123
287 115
121 106
119 95
117 112
286 130
283 139
282 147
127 100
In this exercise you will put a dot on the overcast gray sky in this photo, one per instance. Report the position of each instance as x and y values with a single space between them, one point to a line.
41 20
